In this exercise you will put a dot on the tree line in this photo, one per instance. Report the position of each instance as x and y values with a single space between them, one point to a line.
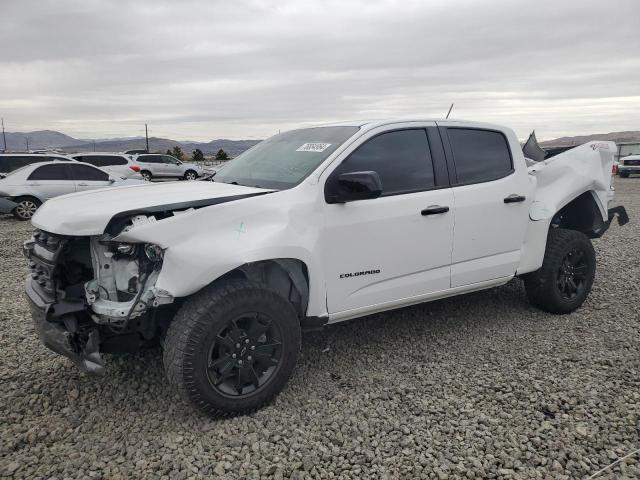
197 155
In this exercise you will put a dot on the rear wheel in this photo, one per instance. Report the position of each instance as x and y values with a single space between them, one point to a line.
232 347
146 175
564 281
26 208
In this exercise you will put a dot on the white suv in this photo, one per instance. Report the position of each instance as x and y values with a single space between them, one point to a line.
115 163
165 166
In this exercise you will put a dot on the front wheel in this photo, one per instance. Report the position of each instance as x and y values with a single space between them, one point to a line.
564 281
26 208
232 347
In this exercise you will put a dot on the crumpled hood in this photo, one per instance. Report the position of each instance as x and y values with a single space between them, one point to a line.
88 213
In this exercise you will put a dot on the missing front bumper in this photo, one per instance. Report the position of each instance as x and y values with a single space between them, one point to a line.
58 335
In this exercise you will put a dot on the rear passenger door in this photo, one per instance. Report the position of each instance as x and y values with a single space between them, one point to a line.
492 200
172 167
152 163
52 180
88 178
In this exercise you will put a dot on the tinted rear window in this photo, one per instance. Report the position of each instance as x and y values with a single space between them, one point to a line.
9 163
102 160
479 155
149 159
50 172
85 172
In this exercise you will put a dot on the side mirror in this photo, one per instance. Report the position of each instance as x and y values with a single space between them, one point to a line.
354 186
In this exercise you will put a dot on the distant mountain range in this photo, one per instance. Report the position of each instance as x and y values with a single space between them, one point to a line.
618 137
17 141
43 139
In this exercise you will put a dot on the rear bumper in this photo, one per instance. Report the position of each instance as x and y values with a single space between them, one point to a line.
7 205
54 322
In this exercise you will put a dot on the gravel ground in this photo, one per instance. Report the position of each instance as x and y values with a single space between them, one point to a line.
478 386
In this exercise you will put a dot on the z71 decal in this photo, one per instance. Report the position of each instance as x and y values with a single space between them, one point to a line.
358 274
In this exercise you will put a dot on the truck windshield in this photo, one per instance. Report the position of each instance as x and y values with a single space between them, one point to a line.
284 160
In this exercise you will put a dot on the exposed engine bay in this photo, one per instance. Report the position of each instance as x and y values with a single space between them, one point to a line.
96 290
125 275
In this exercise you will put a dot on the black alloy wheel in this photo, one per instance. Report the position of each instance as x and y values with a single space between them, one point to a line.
245 354
232 346
572 274
568 269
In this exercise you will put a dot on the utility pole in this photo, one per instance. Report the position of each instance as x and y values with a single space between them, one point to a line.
26 139
146 135
94 145
4 139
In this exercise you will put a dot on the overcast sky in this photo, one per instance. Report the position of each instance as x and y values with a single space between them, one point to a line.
246 68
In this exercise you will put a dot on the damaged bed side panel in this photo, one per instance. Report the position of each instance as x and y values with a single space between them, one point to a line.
559 180
566 176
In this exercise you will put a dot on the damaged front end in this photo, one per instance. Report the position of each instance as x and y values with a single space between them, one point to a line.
93 295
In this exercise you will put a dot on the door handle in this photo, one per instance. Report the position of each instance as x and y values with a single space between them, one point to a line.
514 198
82 184
434 210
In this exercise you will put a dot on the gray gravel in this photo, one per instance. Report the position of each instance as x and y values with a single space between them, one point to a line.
479 386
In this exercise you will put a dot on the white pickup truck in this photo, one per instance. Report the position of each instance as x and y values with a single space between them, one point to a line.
310 227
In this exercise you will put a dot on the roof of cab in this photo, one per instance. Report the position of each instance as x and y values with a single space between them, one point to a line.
368 124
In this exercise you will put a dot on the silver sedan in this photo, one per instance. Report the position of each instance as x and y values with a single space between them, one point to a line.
25 189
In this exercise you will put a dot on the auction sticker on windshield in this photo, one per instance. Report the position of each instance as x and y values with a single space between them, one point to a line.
313 147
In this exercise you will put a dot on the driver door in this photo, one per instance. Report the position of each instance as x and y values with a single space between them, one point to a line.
397 247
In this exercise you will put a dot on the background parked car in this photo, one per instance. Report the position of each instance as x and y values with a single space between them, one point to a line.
165 166
25 189
115 163
136 151
629 165
13 161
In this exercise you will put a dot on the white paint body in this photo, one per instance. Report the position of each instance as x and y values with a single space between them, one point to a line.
480 243
117 164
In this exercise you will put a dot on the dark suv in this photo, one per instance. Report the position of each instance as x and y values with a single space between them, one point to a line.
13 161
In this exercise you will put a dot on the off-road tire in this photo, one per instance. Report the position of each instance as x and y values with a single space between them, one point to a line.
24 211
542 286
146 175
194 329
